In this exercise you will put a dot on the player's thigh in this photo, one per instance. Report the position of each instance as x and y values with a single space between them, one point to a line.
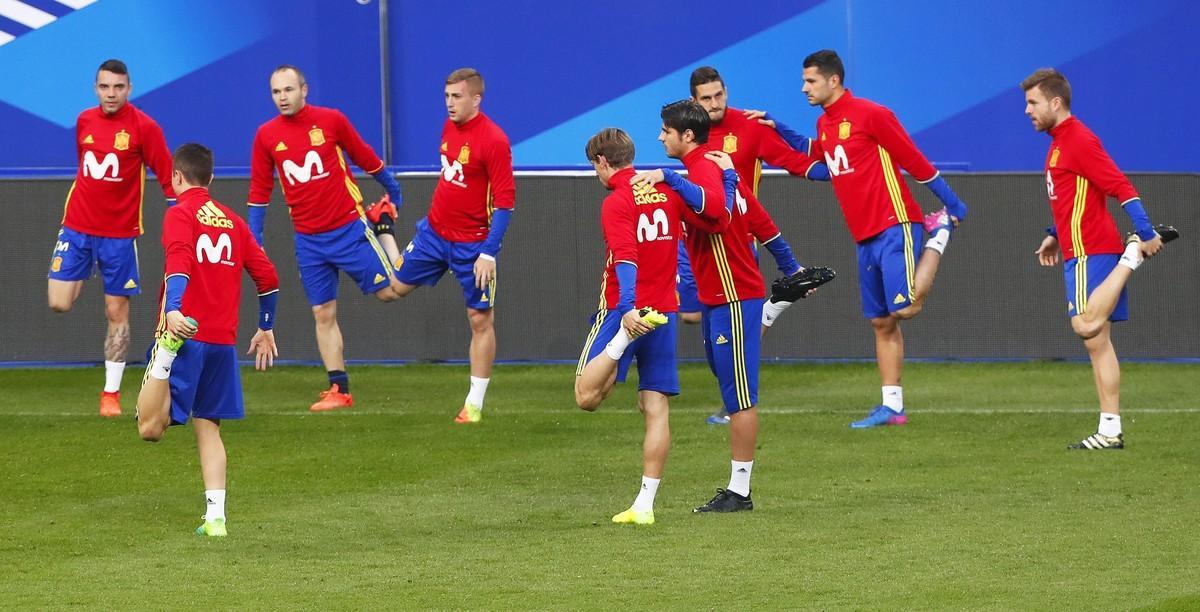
219 392
462 264
73 257
1081 276
733 335
185 380
357 252
655 353
898 264
425 259
318 273
605 324
118 262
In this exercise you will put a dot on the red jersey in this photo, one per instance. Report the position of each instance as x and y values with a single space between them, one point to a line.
641 228
210 245
723 264
477 177
113 151
1079 174
865 146
306 150
750 143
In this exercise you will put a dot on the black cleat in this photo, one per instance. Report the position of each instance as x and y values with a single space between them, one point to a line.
1166 232
727 501
796 286
1097 441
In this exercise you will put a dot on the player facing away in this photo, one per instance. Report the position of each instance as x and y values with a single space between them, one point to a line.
865 147
114 142
749 137
193 369
305 145
637 314
472 205
1096 264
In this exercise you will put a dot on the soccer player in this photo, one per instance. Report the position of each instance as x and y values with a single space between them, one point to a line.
637 308
865 147
1097 266
304 145
114 143
471 209
193 370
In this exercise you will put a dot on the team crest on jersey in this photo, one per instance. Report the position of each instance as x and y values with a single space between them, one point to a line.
443 147
121 141
464 154
88 139
280 146
730 144
843 130
1054 157
316 136
56 265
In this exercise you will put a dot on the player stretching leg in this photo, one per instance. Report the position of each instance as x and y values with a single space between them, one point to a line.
114 143
1097 266
193 370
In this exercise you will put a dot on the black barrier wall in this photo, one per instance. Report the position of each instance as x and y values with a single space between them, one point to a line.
991 300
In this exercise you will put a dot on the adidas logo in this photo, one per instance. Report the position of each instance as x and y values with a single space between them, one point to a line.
281 146
1070 306
378 277
131 284
899 299
212 216
88 140
721 339
484 298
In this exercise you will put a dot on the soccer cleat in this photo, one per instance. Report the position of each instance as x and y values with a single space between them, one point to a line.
937 220
379 208
717 418
213 529
633 517
881 415
1098 441
1164 231
797 286
332 400
469 414
727 501
652 317
171 343
110 404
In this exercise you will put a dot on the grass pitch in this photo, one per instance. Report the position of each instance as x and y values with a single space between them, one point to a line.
975 504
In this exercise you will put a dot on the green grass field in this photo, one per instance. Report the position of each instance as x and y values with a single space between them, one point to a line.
975 504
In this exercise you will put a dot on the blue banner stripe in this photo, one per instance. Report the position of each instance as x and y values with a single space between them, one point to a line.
50 6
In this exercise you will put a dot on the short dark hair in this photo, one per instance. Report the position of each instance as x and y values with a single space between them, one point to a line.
195 162
282 67
471 76
827 62
614 144
114 66
704 75
1051 82
687 115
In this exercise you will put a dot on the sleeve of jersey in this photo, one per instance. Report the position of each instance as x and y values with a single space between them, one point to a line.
158 157
262 172
778 153
709 177
1097 167
177 244
359 151
761 225
891 136
500 174
618 222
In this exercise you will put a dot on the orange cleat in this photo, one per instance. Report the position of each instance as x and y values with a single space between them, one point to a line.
377 209
469 415
332 400
110 404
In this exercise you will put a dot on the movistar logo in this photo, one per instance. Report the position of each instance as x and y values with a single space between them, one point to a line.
219 252
311 170
101 170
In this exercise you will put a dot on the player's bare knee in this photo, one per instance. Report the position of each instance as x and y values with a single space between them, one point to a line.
151 431
587 399
909 311
884 324
58 304
1085 328
480 320
691 318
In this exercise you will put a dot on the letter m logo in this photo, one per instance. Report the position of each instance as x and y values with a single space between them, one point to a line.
312 168
206 251
839 162
649 230
99 169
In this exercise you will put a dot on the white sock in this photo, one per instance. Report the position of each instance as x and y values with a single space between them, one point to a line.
616 347
771 310
1132 257
939 240
645 497
478 389
1110 425
739 477
161 368
112 375
215 507
893 397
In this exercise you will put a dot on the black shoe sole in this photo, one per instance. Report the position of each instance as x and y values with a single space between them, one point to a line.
801 283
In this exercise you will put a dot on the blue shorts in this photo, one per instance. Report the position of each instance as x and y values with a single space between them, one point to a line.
887 264
428 256
1094 270
732 344
655 352
205 383
351 248
685 284
76 255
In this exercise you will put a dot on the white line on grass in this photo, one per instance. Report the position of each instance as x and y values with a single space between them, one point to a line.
299 412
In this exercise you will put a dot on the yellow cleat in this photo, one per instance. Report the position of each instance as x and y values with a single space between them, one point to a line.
213 529
652 317
633 517
469 414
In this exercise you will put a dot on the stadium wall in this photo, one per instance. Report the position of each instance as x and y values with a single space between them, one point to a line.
991 300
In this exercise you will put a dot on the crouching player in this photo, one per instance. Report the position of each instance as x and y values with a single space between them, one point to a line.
193 369
637 316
